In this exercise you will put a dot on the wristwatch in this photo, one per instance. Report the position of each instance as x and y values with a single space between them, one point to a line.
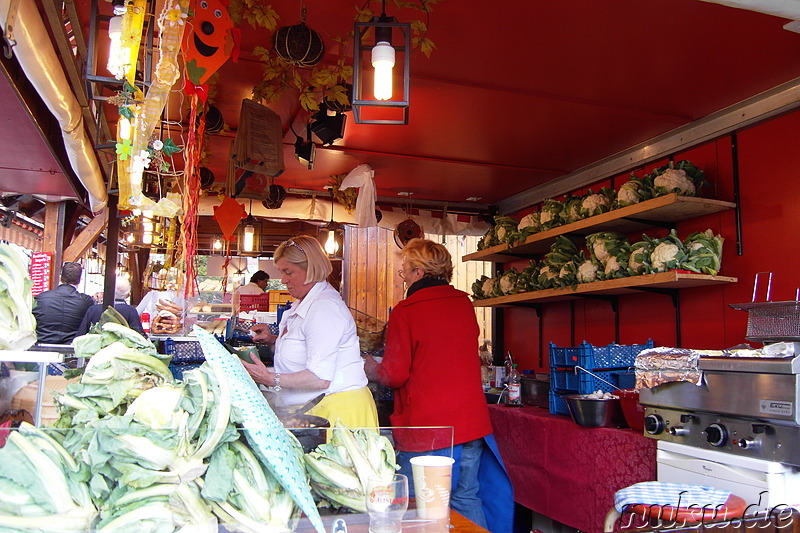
276 377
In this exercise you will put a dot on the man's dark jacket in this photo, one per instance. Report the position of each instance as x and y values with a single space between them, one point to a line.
58 314
128 312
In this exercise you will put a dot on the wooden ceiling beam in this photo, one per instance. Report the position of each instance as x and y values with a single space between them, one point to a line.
85 238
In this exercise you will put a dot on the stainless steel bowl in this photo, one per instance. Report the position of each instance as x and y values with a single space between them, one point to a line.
591 412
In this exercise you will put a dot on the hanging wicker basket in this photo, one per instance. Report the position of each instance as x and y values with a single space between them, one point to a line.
214 120
276 194
298 45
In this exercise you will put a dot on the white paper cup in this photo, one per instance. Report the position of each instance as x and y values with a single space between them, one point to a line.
432 479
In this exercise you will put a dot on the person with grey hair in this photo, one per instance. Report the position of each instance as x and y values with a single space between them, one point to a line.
122 291
59 311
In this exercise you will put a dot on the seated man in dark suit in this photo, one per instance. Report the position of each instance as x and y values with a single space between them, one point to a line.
59 311
128 312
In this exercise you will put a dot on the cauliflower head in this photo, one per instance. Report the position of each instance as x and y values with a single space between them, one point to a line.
612 267
594 204
530 221
488 287
675 180
587 271
628 194
664 255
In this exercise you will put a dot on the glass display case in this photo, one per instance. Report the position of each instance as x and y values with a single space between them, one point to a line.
22 371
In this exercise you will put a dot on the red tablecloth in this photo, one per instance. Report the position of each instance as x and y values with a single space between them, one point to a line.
565 471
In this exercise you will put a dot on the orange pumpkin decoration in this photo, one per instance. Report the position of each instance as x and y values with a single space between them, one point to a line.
209 40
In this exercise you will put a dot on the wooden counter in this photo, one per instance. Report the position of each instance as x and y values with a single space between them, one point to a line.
565 471
359 523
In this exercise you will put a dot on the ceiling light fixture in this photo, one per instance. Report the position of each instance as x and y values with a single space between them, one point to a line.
116 56
384 55
304 150
328 128
251 234
332 244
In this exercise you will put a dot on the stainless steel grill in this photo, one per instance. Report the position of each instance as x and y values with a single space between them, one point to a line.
744 406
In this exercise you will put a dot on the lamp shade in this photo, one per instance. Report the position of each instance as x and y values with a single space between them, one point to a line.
328 128
382 50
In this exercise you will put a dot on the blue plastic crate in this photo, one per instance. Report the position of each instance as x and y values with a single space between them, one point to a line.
588 383
591 357
625 379
564 380
184 351
558 405
562 356
572 381
178 370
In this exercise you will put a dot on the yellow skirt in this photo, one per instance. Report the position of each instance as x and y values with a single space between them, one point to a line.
355 408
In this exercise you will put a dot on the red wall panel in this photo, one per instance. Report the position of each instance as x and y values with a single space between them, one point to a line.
769 184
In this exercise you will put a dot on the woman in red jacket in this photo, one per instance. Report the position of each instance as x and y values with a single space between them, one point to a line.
431 362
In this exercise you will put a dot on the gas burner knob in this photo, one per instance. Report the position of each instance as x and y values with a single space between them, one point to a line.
678 431
653 424
747 443
716 435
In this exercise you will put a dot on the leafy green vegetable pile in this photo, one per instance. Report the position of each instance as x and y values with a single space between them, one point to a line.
610 256
17 324
682 178
135 450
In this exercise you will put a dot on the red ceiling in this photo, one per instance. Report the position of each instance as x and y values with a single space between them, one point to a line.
518 93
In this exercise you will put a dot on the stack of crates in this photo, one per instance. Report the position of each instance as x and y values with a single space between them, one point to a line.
602 361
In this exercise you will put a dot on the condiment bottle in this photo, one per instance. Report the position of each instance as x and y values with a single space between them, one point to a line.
514 388
508 364
146 323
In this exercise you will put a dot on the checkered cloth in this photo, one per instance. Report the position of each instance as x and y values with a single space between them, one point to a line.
673 494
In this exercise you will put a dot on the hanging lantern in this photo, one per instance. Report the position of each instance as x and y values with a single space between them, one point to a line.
299 45
250 236
382 50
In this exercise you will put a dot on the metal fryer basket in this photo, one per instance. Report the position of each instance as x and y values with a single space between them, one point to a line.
771 321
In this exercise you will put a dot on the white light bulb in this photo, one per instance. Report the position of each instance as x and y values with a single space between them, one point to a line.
331 246
217 244
249 235
383 63
124 128
116 58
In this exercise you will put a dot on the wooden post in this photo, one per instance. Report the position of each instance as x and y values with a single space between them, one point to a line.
53 237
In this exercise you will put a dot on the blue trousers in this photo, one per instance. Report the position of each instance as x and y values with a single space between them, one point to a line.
480 487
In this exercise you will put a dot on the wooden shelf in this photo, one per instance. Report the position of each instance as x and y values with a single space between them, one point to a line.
612 287
641 216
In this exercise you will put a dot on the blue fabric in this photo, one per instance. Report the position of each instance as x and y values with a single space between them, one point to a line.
494 486
674 494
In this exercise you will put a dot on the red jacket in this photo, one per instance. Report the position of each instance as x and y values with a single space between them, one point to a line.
431 361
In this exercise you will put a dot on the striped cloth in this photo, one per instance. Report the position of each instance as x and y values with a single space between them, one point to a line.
673 494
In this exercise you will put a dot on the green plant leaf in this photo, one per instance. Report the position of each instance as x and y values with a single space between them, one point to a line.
127 113
170 147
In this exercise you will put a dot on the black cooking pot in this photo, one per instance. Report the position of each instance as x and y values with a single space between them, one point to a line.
313 430
535 392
